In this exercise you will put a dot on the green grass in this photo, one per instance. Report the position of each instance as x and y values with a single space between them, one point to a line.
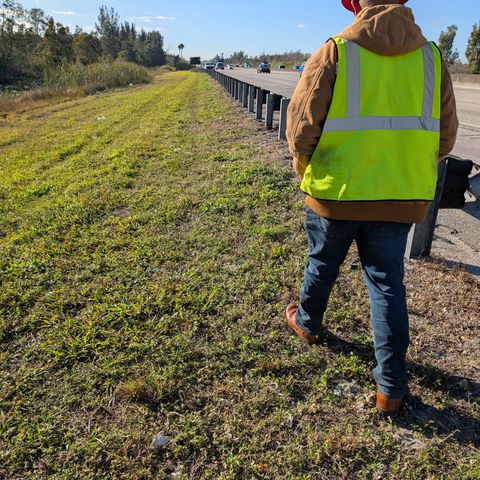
148 247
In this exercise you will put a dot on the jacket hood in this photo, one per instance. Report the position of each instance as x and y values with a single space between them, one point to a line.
386 30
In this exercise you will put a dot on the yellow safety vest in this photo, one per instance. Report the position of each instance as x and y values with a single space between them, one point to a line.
381 138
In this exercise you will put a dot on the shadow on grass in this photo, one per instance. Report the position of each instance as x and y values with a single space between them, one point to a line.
468 267
450 421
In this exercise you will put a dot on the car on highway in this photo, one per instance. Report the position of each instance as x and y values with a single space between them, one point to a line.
281 66
229 67
301 68
264 67
209 66
219 66
247 65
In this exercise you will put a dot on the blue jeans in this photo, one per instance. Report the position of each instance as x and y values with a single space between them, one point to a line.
381 246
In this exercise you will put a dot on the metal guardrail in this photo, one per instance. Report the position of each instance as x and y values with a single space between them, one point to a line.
421 236
253 98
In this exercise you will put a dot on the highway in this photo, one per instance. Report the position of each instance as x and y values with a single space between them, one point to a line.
457 238
468 107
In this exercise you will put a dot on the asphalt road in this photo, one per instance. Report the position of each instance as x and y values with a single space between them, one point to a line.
468 107
457 238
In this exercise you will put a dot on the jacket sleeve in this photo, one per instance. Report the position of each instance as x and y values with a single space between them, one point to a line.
448 115
309 105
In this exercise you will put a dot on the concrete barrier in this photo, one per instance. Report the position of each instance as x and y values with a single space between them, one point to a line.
466 80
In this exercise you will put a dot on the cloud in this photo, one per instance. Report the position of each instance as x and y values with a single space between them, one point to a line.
149 18
67 13
301 26
149 28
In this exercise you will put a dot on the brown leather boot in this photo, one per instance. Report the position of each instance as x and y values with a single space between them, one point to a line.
388 407
291 313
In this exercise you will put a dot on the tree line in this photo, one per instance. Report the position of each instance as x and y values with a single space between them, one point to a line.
451 55
31 42
241 57
445 43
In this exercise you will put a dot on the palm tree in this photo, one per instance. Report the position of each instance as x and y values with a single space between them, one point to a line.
180 49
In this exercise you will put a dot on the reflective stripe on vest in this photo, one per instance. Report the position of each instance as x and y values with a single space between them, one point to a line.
381 138
355 122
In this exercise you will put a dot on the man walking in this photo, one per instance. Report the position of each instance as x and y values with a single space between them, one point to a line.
370 118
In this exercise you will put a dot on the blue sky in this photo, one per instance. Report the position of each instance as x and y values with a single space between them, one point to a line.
216 26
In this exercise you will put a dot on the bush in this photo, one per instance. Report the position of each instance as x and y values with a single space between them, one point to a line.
76 80
96 76
182 65
458 67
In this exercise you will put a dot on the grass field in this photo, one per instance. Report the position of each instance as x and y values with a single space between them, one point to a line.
150 239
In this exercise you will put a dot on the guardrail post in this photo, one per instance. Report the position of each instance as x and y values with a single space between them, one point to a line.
237 88
269 114
420 239
251 98
245 96
260 97
282 129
